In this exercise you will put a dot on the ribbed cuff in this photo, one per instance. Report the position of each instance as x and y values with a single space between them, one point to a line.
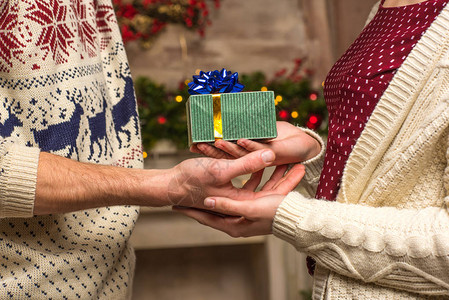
320 279
315 164
293 210
18 182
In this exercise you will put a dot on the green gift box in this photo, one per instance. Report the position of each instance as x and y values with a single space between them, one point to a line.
231 116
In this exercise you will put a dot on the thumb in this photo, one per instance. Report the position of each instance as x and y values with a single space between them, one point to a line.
250 163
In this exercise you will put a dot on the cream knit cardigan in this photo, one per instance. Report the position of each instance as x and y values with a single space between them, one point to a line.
387 236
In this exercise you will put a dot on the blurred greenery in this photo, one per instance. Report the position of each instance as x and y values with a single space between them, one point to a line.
161 116
298 100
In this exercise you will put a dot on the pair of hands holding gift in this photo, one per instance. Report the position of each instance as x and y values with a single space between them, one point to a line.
250 214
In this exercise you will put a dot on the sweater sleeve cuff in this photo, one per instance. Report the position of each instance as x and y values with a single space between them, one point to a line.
292 211
18 181
315 164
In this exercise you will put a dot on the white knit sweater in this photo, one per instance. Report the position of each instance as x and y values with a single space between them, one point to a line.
387 236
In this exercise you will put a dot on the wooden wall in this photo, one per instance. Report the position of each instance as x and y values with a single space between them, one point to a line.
331 27
347 18
254 35
245 36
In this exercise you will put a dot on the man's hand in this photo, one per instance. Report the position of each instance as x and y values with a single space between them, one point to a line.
65 185
246 218
195 179
292 145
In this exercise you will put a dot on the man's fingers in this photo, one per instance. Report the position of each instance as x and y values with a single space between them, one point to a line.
275 177
247 164
254 181
290 180
213 152
231 148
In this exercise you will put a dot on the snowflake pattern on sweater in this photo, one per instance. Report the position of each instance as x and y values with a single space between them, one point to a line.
66 29
66 88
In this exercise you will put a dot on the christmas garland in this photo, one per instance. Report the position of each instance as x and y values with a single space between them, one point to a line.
144 20
163 112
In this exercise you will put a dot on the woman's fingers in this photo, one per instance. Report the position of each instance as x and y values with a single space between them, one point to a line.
279 181
228 225
275 177
228 206
194 149
251 145
222 149
290 180
213 152
254 181
231 148
228 150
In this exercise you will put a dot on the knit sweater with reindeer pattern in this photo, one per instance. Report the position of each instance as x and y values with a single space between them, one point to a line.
65 88
387 236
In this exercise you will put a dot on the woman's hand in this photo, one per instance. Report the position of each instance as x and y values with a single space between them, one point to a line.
245 218
251 216
292 145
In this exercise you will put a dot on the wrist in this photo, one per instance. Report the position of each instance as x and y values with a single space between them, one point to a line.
182 186
154 187
314 145
307 149
315 148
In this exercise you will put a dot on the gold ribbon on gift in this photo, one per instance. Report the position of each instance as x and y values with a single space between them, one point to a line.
218 128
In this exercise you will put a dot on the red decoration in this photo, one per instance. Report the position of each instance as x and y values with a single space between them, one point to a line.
283 114
127 34
189 22
295 75
128 11
280 72
314 121
298 62
162 120
309 72
313 96
181 85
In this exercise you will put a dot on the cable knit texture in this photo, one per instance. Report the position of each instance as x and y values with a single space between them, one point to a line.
65 88
387 237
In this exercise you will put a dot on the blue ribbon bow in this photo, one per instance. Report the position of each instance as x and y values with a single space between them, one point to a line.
215 82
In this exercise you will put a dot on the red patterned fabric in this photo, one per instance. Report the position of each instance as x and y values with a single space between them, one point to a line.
88 32
360 77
